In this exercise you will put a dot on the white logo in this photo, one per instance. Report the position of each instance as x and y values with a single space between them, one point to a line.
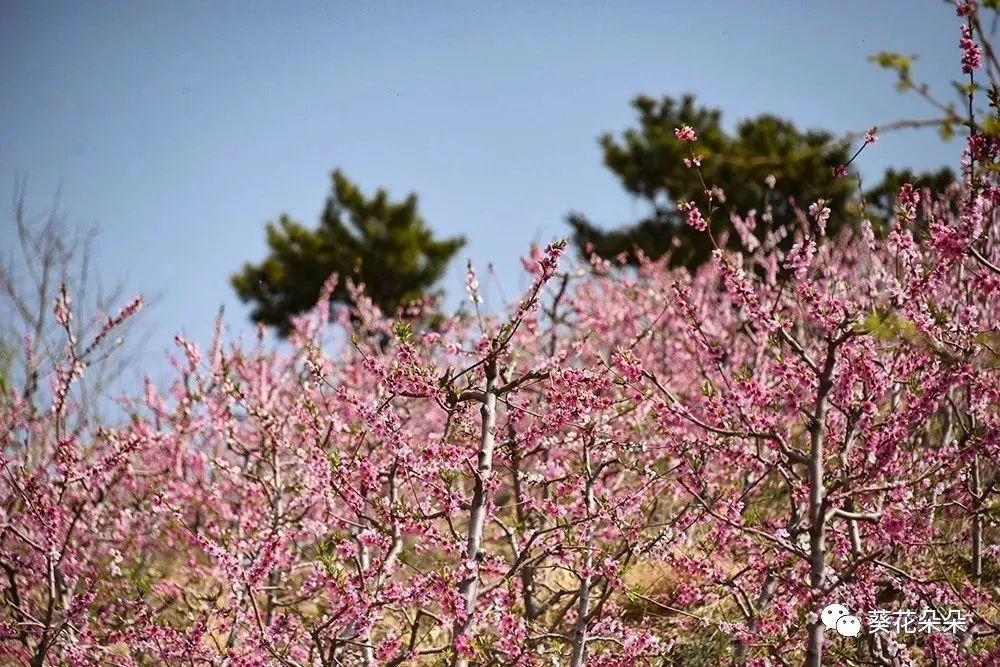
831 614
838 617
849 626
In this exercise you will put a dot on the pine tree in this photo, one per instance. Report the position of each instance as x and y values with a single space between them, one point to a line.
649 162
384 244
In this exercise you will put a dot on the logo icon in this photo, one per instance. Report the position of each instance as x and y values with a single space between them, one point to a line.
849 626
838 617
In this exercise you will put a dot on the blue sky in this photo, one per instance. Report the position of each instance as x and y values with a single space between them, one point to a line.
180 127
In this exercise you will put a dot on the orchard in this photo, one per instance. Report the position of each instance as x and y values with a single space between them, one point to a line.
631 465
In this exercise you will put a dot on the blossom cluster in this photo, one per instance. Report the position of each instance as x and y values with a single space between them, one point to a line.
643 467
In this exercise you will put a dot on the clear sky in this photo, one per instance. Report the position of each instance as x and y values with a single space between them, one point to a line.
180 127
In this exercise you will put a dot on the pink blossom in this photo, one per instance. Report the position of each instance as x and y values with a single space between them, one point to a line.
685 133
472 284
906 202
694 218
972 54
464 645
800 257
63 312
948 241
821 213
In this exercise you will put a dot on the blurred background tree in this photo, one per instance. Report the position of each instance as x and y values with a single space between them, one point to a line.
46 252
384 244
649 162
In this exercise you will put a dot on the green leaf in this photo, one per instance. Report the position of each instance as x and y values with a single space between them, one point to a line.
893 61
991 126
404 332
889 327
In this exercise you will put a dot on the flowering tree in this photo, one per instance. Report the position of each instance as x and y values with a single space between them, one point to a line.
625 468
50 252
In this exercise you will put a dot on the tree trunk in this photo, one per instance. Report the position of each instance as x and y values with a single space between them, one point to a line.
817 505
469 587
583 602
